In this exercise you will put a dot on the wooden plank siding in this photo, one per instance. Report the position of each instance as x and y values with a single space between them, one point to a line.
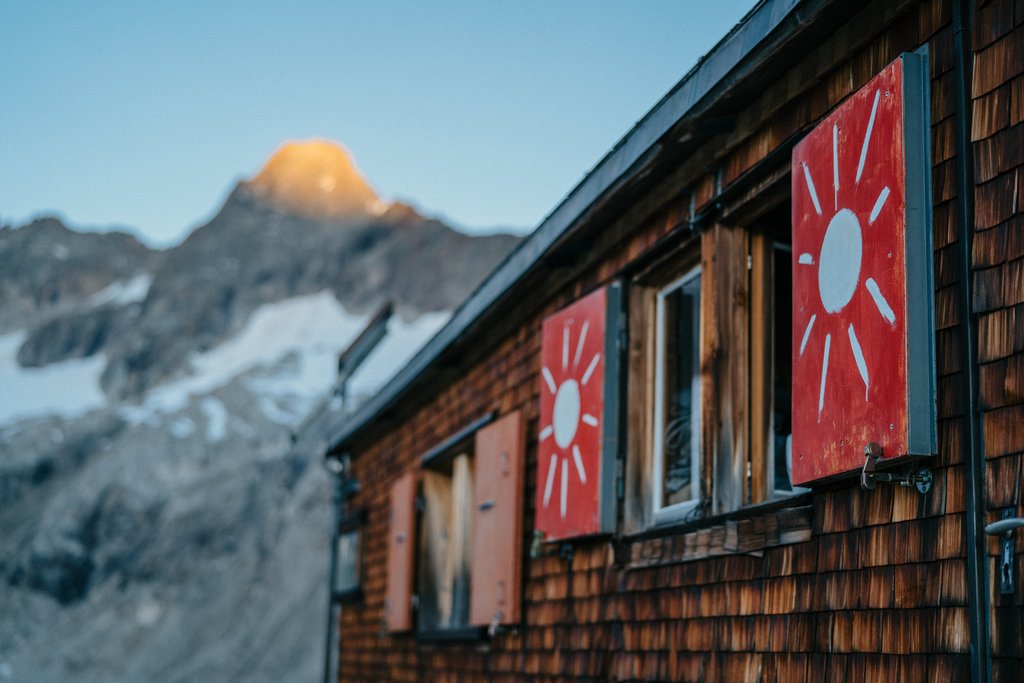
848 584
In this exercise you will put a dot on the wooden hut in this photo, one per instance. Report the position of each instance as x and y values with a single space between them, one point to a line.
663 441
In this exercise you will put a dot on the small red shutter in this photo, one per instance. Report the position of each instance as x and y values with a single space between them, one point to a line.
401 547
573 450
497 523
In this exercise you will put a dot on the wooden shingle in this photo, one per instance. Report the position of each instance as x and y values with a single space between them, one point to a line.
1000 333
1003 431
1001 383
998 63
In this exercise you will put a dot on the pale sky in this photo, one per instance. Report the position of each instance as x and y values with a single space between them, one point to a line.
144 114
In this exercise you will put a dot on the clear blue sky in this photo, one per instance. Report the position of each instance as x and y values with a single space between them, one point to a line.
145 114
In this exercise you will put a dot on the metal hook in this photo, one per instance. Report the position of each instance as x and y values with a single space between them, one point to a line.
921 479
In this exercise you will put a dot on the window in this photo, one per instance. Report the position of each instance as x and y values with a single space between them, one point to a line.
709 375
444 566
454 534
665 461
781 315
676 435
771 358
346 580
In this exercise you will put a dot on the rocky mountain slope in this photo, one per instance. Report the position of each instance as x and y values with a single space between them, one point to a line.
155 524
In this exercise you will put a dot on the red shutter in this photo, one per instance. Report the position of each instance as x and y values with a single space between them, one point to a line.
497 523
401 553
577 430
863 333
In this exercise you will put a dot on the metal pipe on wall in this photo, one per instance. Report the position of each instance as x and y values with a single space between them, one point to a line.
977 564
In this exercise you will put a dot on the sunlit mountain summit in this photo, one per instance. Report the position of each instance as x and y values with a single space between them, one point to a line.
315 178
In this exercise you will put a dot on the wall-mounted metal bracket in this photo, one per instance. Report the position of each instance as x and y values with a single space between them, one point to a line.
1007 546
921 478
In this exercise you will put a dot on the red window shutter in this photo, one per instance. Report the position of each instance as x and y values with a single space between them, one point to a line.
863 297
578 421
497 524
401 553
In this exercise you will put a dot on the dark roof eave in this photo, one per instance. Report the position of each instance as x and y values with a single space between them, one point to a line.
610 174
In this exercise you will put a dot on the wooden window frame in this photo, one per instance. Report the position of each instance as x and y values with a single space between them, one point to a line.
640 360
678 511
736 365
351 591
491 503
763 340
460 521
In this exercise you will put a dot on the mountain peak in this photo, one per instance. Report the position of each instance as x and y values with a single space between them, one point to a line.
315 178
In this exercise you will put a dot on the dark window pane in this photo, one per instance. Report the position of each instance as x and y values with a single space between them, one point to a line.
680 429
782 364
346 577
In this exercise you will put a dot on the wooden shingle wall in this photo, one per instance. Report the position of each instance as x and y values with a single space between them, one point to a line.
878 591
997 133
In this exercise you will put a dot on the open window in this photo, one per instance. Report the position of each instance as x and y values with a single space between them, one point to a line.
676 472
664 461
455 536
710 375
772 358
444 562
781 375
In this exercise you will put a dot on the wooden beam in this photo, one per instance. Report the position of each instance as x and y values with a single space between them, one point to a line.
761 465
640 409
725 339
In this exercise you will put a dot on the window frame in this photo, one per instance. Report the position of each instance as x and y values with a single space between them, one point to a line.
347 580
736 313
775 248
493 507
675 512
438 464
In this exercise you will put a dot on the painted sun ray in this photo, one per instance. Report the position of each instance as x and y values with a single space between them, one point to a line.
549 484
565 347
879 203
867 137
858 355
883 306
824 373
549 380
579 346
806 260
807 333
810 188
577 457
835 163
590 369
563 502
546 432
590 419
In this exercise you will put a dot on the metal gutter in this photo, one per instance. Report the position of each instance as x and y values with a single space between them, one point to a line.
977 561
625 161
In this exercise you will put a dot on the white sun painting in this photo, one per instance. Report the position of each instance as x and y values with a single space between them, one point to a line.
568 416
839 259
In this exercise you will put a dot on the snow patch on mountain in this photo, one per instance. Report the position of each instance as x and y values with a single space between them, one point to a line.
289 351
299 336
123 292
68 389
